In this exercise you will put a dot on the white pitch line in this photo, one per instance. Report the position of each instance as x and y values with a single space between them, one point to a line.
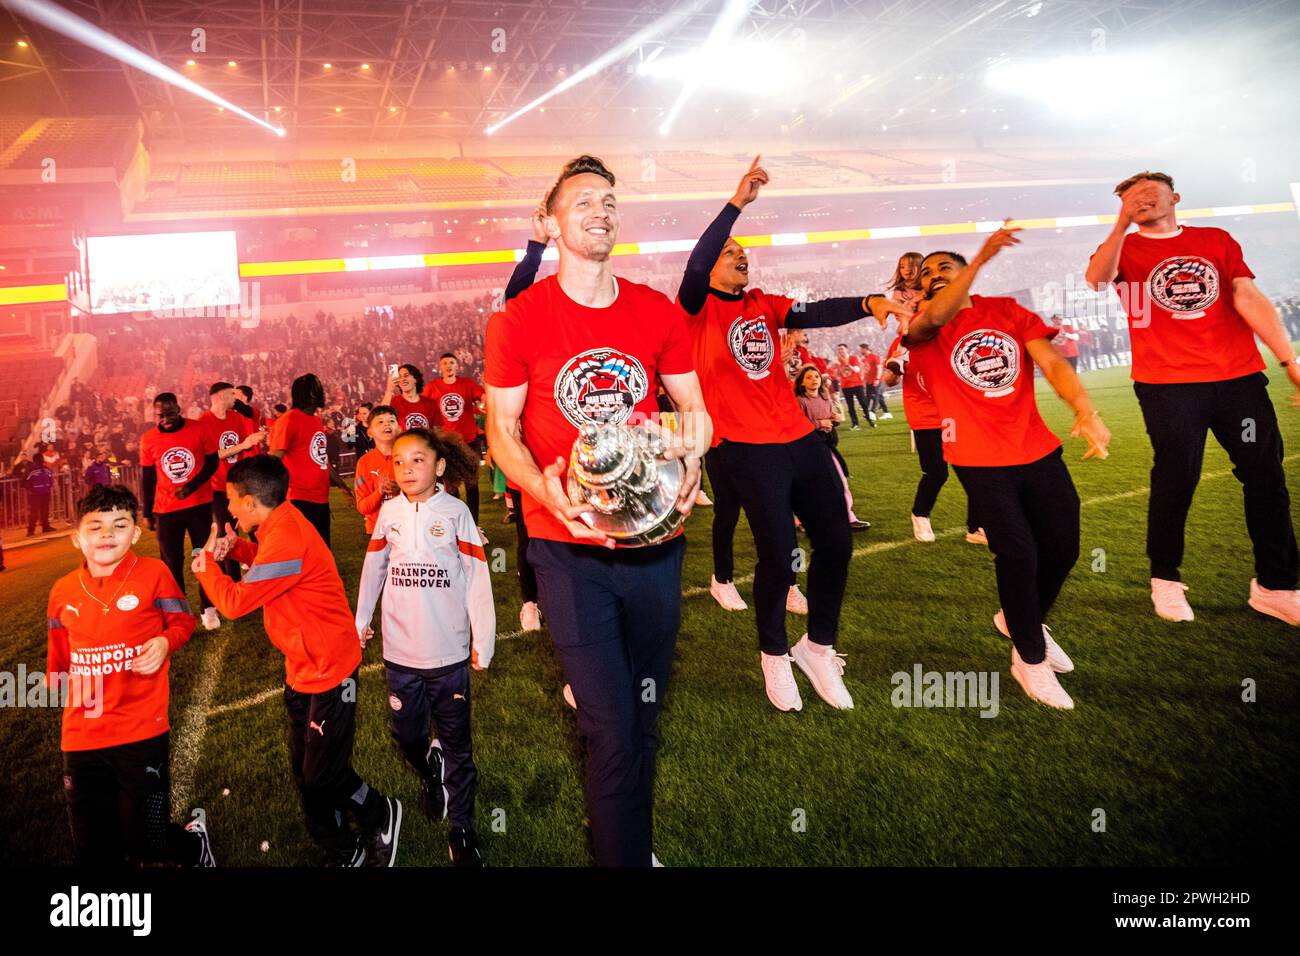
874 548
187 739
253 700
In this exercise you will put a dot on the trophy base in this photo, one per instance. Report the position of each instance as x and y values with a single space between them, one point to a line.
643 521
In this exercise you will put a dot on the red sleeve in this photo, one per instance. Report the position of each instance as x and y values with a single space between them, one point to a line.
368 498
1029 325
279 437
779 307
179 625
208 437
276 569
675 356
1236 265
243 550
504 362
475 391
146 451
57 656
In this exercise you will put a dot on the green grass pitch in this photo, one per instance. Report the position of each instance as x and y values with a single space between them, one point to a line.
1161 741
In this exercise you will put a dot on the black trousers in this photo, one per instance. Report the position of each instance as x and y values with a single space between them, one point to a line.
726 515
222 516
119 806
856 393
934 474
470 497
318 514
172 527
436 703
38 510
1239 413
613 618
876 398
527 576
321 730
774 483
1031 516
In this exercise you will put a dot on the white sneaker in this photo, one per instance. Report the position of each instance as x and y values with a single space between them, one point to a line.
795 602
210 620
1283 605
826 671
1040 683
530 616
1169 600
726 595
701 499
921 529
871 415
886 416
1057 658
654 861
977 537
782 691
568 697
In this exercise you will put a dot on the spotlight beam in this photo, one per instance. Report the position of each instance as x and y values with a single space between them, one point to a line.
70 25
611 56
724 28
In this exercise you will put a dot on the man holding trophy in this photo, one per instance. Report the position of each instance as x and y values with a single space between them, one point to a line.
571 368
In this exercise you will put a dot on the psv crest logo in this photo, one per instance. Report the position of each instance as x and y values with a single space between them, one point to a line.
451 405
1185 285
317 449
601 386
750 341
416 420
177 464
988 360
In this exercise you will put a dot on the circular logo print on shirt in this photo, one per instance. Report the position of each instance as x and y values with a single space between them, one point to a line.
1185 285
416 420
317 449
750 341
394 702
600 385
436 529
228 439
451 405
128 602
177 464
989 360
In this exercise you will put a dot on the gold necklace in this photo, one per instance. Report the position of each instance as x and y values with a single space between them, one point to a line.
105 604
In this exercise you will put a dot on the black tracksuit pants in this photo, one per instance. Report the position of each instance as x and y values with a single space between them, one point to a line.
934 474
222 516
527 576
726 515
321 730
172 527
119 806
1241 416
774 483
1031 516
425 703
318 513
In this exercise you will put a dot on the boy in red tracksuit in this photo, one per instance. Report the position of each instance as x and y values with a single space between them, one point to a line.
114 623
293 578
374 483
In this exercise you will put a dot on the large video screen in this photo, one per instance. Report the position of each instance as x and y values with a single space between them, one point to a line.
163 273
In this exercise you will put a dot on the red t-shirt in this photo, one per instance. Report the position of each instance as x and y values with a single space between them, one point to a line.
421 413
848 371
302 439
981 377
455 404
581 365
97 627
918 407
1178 295
178 456
736 345
871 368
226 432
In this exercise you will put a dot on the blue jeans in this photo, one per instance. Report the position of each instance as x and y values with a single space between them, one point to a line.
613 618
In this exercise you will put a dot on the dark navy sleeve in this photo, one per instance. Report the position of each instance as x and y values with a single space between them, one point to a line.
525 269
694 289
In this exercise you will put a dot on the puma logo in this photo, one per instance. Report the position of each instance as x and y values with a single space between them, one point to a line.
319 728
457 696
154 771
73 608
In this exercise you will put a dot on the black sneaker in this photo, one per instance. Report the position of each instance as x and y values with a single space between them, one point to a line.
462 847
381 844
354 858
433 795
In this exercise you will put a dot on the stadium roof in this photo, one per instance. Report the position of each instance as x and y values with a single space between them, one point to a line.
390 71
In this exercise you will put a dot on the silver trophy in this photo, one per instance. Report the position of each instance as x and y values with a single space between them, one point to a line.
619 472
